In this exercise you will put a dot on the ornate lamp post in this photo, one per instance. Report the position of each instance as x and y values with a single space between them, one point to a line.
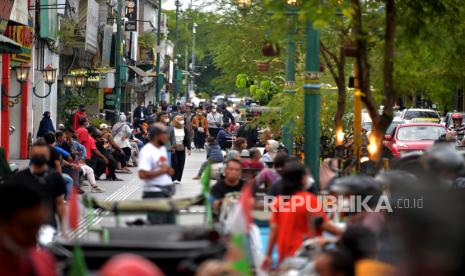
49 74
312 92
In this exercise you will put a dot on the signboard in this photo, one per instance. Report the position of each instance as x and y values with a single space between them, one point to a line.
131 15
109 101
5 10
19 13
106 45
92 27
48 20
23 35
133 43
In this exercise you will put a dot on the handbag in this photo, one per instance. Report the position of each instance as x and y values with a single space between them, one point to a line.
201 129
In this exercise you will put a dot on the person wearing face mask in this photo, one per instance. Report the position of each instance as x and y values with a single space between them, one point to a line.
46 125
215 121
23 210
200 126
50 183
163 117
121 134
81 113
182 145
155 171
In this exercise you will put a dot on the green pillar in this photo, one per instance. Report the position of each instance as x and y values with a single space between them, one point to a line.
289 86
175 54
312 103
157 78
118 58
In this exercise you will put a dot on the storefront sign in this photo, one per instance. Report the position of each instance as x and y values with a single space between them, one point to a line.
5 11
48 20
131 15
92 26
19 12
106 45
23 35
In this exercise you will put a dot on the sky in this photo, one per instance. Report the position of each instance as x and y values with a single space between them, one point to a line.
169 4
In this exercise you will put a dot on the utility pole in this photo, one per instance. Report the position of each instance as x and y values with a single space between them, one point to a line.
357 116
194 26
175 54
312 103
186 67
119 9
158 79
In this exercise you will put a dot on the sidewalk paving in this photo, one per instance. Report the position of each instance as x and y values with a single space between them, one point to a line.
131 189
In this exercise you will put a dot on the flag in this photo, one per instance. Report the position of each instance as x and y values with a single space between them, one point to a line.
73 210
205 179
78 265
238 225
205 182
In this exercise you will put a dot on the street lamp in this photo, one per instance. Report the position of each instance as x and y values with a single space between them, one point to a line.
80 81
244 3
49 74
68 80
22 74
292 2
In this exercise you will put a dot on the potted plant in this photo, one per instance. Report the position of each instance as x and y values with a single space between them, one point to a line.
263 66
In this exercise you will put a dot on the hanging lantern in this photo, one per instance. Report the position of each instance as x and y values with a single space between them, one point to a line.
49 74
80 81
68 80
22 72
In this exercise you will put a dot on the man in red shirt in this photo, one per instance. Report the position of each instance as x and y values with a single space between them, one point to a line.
22 213
94 158
292 223
81 113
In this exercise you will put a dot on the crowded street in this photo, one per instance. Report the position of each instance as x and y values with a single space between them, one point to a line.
232 138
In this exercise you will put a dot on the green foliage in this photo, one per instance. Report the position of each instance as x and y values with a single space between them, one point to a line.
70 101
147 40
69 34
96 122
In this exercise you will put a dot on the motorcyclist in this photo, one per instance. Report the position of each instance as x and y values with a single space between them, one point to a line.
457 127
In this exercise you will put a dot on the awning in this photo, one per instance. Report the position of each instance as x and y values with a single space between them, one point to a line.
138 71
8 45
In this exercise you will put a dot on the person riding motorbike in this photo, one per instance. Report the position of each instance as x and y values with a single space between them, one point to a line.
457 129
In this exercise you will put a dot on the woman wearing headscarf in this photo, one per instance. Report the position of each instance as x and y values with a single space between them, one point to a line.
46 125
183 144
121 134
271 148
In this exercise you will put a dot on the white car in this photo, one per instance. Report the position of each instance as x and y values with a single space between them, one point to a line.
418 115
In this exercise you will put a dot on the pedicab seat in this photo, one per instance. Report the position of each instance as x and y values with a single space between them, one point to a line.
145 205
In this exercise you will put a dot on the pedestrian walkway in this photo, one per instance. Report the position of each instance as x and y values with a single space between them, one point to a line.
131 189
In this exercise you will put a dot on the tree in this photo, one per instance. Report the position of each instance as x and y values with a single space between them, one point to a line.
380 122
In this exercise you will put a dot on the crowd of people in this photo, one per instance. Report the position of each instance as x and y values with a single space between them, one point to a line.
158 140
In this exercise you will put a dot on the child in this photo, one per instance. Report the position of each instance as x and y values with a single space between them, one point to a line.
214 155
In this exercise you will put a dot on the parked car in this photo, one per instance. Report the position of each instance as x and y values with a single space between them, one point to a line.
413 137
417 115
